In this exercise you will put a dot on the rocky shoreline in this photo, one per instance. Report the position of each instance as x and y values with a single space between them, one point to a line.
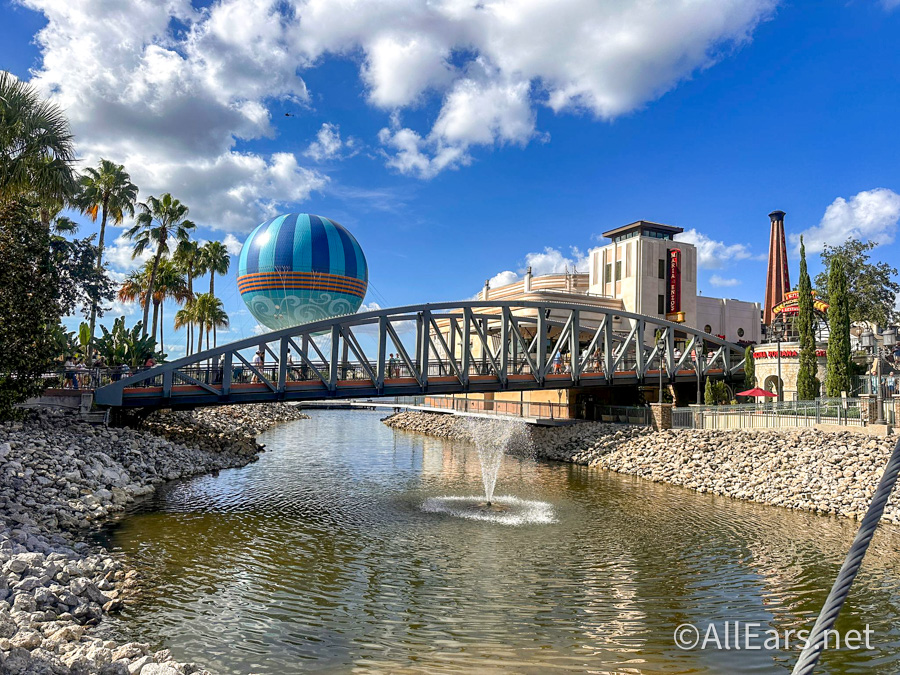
60 478
833 473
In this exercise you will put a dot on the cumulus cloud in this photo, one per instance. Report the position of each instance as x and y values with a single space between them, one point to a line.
716 280
174 93
181 87
712 254
232 244
548 261
870 215
329 144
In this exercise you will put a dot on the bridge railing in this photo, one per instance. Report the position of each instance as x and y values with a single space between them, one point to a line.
437 348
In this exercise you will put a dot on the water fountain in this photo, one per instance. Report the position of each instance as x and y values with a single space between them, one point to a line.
493 439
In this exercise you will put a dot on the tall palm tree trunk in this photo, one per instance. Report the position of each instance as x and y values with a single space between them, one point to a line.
150 288
190 326
155 316
99 267
162 344
212 293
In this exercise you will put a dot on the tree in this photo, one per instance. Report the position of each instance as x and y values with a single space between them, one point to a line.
29 309
871 287
37 154
838 376
749 368
215 261
210 314
170 285
126 346
157 221
190 259
186 317
134 288
81 282
807 384
715 392
106 190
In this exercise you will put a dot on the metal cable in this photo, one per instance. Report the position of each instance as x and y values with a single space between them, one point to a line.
809 657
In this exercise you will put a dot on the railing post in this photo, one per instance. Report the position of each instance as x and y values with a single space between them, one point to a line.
335 357
541 345
226 374
575 347
282 365
424 327
504 347
381 365
466 346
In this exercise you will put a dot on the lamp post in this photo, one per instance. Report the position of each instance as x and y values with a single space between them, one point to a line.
869 341
659 348
778 329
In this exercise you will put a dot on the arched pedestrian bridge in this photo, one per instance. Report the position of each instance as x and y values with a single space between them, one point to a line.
441 348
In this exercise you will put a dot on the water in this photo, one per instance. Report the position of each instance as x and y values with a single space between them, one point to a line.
328 555
493 439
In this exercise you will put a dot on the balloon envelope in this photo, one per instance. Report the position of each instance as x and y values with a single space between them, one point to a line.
298 268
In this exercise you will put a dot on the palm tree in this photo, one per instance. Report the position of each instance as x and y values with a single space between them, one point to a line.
215 261
189 257
187 317
170 285
106 190
210 315
134 288
158 219
37 154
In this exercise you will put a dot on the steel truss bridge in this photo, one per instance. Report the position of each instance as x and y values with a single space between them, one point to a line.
454 348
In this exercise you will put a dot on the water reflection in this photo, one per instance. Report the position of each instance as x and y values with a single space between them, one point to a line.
319 557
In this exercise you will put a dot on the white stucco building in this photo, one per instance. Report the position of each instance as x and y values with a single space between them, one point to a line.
650 273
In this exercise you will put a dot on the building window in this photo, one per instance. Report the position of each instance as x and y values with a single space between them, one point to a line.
618 270
660 304
707 328
662 268
608 273
740 332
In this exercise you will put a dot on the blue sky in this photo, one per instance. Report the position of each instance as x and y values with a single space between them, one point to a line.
458 144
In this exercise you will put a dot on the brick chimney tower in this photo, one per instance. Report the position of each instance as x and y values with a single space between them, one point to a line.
777 280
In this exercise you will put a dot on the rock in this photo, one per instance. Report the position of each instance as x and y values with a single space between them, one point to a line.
59 476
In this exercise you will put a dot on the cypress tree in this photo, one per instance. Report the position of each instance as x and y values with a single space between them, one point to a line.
709 392
807 385
838 377
749 368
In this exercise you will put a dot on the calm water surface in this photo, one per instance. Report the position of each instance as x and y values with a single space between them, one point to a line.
320 558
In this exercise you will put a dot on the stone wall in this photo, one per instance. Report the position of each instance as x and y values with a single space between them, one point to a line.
58 478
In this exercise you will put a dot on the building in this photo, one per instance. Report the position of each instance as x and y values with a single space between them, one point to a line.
650 273
642 270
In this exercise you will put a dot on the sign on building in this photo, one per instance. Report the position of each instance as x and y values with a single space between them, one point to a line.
673 304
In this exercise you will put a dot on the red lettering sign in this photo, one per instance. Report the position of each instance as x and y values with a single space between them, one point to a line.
674 300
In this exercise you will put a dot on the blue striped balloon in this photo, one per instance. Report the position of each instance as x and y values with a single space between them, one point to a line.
299 268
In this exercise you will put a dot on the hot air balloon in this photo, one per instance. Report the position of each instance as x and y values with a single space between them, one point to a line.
297 268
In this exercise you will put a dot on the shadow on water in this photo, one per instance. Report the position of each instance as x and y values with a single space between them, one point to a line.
338 551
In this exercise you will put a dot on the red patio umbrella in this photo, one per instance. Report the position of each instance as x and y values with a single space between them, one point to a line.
756 392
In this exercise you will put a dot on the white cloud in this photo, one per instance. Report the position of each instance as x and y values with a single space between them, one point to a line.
328 144
172 95
548 261
716 280
890 4
232 244
178 89
870 215
712 254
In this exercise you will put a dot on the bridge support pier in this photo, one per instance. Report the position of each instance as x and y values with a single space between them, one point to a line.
662 416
